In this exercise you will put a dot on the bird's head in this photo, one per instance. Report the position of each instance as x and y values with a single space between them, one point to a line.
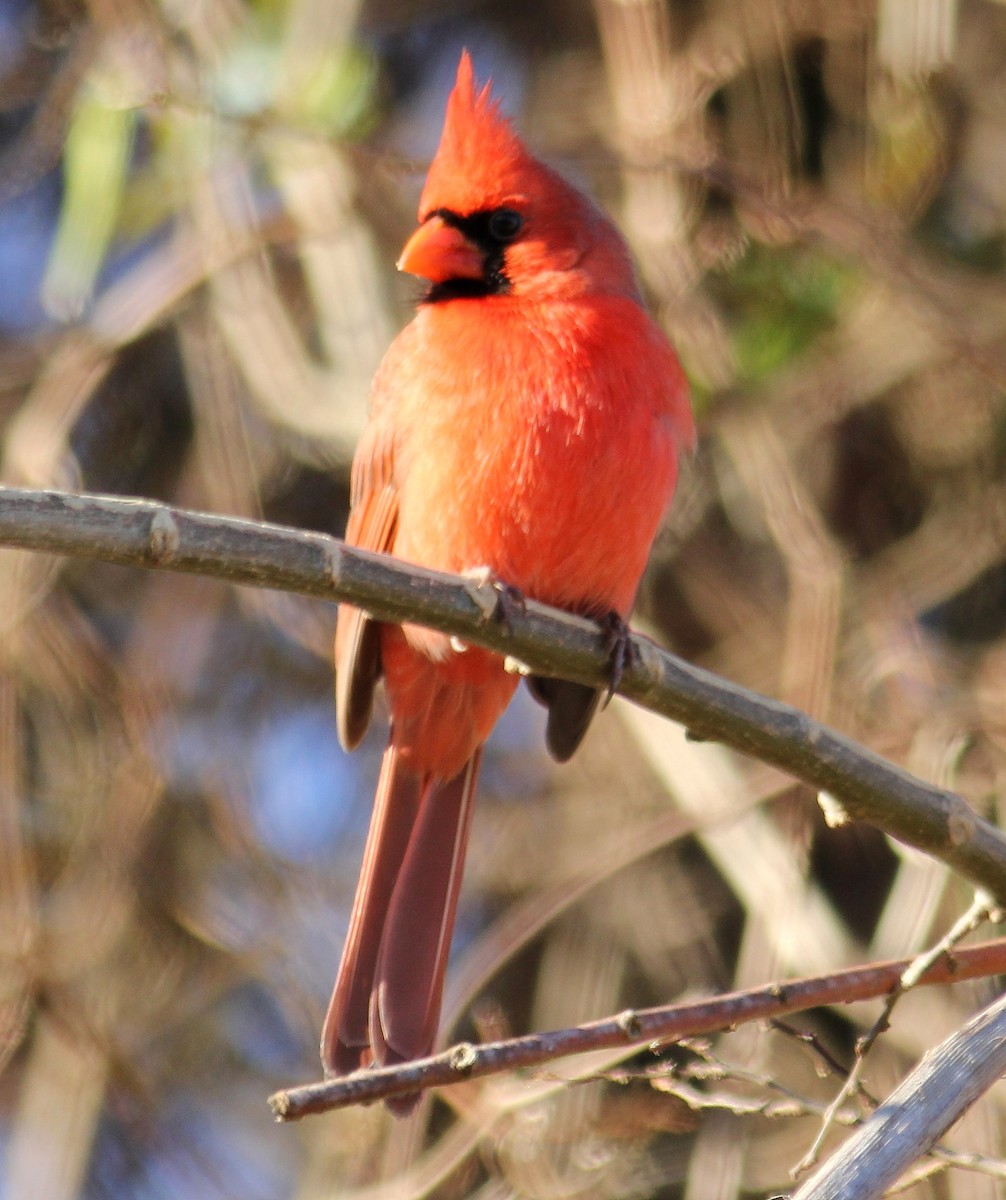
494 220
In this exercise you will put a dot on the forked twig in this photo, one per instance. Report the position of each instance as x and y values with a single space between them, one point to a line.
979 911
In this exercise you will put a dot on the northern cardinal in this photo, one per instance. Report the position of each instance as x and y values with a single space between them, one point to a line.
528 422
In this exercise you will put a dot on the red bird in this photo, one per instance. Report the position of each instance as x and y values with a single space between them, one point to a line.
527 421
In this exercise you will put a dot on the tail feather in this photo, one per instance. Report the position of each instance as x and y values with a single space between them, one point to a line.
415 946
386 1002
345 1037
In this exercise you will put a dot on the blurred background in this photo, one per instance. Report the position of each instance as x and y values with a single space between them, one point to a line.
200 208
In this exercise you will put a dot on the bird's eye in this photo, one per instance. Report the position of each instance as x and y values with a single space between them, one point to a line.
505 224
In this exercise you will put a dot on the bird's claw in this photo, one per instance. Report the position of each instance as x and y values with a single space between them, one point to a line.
618 643
496 600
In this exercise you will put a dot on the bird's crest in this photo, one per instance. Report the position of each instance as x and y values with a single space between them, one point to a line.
480 160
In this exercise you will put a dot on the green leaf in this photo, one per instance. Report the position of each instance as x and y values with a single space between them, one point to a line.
781 300
95 161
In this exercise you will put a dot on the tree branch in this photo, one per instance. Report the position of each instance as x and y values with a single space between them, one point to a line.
975 916
665 1024
948 1081
147 534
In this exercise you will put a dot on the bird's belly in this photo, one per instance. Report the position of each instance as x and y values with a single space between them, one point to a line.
555 505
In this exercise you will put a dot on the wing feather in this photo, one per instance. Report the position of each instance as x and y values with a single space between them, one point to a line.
373 520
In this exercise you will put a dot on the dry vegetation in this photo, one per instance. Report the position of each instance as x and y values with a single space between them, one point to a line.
200 205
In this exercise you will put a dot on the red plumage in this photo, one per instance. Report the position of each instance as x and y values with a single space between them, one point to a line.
527 421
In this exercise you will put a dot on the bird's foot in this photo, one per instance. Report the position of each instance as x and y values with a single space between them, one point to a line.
618 642
496 600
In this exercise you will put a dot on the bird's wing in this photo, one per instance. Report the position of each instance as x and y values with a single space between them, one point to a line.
373 518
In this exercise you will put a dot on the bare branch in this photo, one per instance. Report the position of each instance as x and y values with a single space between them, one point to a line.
147 534
664 1024
977 914
948 1081
942 1160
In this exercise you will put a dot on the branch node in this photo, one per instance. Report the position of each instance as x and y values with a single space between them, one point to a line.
333 563
835 813
960 827
164 537
462 1057
648 657
629 1023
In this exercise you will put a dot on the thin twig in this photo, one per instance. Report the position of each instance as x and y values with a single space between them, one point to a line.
664 1024
707 1069
977 914
774 1107
948 1081
147 534
825 1062
783 1102
942 1160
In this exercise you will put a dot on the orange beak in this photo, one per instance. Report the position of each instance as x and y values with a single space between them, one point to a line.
438 252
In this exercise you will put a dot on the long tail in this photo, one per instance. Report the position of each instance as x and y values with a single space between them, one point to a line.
386 1002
